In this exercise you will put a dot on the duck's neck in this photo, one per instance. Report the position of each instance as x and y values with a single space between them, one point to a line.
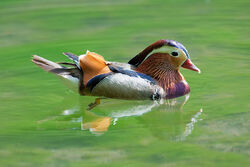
168 78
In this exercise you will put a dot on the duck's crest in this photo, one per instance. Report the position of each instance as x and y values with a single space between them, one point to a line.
177 45
139 58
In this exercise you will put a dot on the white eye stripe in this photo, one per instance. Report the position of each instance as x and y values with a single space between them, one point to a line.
164 49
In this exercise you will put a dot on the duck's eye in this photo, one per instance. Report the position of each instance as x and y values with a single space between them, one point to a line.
175 54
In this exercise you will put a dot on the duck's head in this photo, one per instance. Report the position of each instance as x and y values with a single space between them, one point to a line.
168 54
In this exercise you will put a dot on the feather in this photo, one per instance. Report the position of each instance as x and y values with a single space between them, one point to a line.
74 58
67 64
71 75
123 86
92 65
132 73
45 64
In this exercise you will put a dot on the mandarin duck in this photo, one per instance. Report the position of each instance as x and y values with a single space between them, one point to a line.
151 74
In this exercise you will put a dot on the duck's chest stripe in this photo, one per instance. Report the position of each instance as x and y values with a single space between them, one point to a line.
95 80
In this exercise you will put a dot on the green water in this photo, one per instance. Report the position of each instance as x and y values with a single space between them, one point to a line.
42 123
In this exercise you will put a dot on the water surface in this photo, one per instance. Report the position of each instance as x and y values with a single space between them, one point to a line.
45 124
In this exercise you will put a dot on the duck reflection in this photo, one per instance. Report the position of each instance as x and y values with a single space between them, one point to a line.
94 123
165 118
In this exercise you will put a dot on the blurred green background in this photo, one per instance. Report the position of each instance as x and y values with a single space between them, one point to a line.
41 121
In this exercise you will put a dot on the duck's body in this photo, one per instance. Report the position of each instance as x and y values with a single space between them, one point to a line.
152 74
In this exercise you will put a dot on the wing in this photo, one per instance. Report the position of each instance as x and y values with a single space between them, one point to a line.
125 84
132 73
74 58
125 66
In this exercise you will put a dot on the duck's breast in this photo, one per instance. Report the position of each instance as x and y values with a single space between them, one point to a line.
179 89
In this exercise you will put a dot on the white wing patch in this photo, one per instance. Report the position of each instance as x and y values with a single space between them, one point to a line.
126 87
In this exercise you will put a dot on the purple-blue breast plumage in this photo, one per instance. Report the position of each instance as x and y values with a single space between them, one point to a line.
179 89
151 74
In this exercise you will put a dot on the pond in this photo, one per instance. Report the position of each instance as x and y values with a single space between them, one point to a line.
45 124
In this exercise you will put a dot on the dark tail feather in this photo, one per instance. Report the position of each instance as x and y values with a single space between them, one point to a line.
73 58
68 64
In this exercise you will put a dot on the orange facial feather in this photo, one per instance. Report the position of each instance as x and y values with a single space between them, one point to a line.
162 68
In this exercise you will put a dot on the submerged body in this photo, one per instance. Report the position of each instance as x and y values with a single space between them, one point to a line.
152 74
